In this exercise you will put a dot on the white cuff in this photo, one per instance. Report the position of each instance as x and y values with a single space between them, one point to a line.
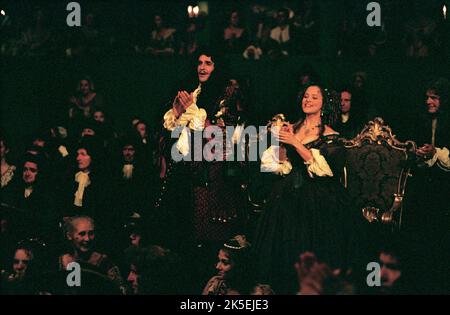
270 162
441 157
63 150
318 165
193 116
170 121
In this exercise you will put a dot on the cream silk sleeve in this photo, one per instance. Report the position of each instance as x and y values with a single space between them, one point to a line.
270 162
318 166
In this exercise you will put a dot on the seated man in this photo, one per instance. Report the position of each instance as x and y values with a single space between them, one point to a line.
429 217
34 200
133 188
80 231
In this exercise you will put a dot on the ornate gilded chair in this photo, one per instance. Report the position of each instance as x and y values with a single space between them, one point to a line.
377 170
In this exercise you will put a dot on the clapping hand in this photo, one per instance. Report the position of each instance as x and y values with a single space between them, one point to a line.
286 135
181 102
427 151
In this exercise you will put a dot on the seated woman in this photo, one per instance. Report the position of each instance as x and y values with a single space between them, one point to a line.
234 36
83 103
29 272
308 209
234 276
162 39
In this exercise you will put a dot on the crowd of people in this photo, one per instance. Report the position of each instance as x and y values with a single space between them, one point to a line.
253 30
139 221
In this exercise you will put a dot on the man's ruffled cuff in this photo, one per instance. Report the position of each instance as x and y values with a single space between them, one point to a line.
193 117
170 121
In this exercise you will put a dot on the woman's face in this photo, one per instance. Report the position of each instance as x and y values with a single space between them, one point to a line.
224 265
312 100
83 159
234 19
85 87
204 68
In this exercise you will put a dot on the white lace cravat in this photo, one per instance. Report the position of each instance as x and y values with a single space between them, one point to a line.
28 192
345 117
128 171
83 181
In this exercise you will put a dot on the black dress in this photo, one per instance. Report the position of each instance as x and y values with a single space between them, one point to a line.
304 213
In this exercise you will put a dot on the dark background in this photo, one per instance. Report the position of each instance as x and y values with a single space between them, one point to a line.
35 90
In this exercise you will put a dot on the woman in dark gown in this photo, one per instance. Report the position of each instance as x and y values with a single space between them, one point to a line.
308 209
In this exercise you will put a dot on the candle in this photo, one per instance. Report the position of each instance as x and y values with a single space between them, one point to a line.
444 11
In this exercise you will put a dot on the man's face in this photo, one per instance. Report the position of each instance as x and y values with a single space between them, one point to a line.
128 153
142 129
87 132
359 82
83 235
83 159
346 102
158 21
282 18
20 263
85 87
204 68
133 279
30 170
390 270
39 142
135 239
433 102
99 117
224 264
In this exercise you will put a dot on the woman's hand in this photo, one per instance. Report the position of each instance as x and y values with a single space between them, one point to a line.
427 151
282 154
286 135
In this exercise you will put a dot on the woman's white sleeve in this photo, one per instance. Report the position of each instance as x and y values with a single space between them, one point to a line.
318 166
270 162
